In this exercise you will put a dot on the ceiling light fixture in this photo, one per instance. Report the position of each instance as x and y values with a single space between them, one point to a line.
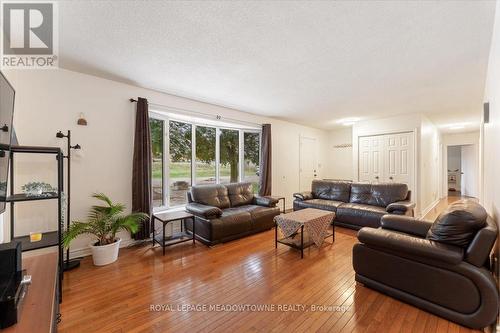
347 121
457 127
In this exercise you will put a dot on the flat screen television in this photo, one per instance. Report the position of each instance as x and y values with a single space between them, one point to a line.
7 94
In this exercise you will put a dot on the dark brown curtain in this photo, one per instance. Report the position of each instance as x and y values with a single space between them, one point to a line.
266 161
141 171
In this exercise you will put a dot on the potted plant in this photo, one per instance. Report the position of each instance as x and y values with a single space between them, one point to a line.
103 223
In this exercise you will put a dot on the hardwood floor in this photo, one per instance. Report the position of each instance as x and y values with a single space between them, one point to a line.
118 297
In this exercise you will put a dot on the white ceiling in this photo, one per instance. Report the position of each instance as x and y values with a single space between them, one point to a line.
307 62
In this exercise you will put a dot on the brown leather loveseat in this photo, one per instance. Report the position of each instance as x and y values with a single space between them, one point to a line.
226 212
356 205
441 267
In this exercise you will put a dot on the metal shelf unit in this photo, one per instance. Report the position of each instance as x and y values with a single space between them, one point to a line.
49 238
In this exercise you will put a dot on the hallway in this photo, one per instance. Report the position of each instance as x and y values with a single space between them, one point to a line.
441 206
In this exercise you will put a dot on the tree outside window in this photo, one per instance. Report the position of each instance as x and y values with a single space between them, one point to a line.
180 145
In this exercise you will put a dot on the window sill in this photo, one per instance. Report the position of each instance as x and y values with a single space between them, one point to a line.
166 210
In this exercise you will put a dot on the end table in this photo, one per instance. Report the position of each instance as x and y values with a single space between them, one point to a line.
175 238
278 198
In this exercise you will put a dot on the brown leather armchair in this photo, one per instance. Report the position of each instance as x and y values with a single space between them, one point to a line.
441 267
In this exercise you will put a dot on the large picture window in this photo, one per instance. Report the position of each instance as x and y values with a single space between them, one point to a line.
251 172
179 180
205 155
229 141
157 136
187 153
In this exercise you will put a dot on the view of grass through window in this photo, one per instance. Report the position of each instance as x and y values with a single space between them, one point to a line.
205 155
229 142
156 127
251 159
179 179
180 147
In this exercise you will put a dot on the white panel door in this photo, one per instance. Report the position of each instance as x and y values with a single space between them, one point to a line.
469 158
399 157
371 154
387 158
308 166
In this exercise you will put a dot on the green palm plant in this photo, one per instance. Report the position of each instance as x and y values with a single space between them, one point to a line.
104 222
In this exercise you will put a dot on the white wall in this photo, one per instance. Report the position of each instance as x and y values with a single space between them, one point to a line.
490 136
51 100
491 131
459 139
428 166
340 161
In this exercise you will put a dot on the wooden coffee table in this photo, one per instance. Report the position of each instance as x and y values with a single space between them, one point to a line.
314 221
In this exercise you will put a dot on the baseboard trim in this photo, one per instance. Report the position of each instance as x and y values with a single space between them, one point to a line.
429 208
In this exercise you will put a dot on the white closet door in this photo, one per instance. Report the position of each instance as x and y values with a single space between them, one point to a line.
399 157
371 154
308 165
387 158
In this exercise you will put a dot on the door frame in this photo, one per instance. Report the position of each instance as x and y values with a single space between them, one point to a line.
416 157
465 140
444 167
300 156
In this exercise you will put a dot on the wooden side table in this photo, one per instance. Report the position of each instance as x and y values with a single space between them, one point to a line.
176 238
280 198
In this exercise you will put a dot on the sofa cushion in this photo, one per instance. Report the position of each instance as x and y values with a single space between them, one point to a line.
240 194
384 194
232 222
331 190
330 205
459 223
360 214
262 217
360 193
380 195
211 195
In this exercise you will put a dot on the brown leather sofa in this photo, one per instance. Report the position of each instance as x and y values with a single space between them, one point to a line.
356 205
227 212
441 267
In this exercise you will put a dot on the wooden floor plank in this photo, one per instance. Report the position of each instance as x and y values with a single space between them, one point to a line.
117 298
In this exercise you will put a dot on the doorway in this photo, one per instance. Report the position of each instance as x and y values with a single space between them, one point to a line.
462 170
308 164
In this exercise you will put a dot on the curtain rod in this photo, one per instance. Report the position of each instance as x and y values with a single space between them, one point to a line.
217 117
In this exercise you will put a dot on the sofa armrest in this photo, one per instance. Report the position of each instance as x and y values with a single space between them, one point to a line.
400 206
307 195
265 201
412 246
204 211
406 224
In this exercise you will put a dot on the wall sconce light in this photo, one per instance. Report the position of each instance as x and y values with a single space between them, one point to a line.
82 121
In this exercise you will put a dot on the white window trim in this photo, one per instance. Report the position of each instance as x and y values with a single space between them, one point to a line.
154 114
